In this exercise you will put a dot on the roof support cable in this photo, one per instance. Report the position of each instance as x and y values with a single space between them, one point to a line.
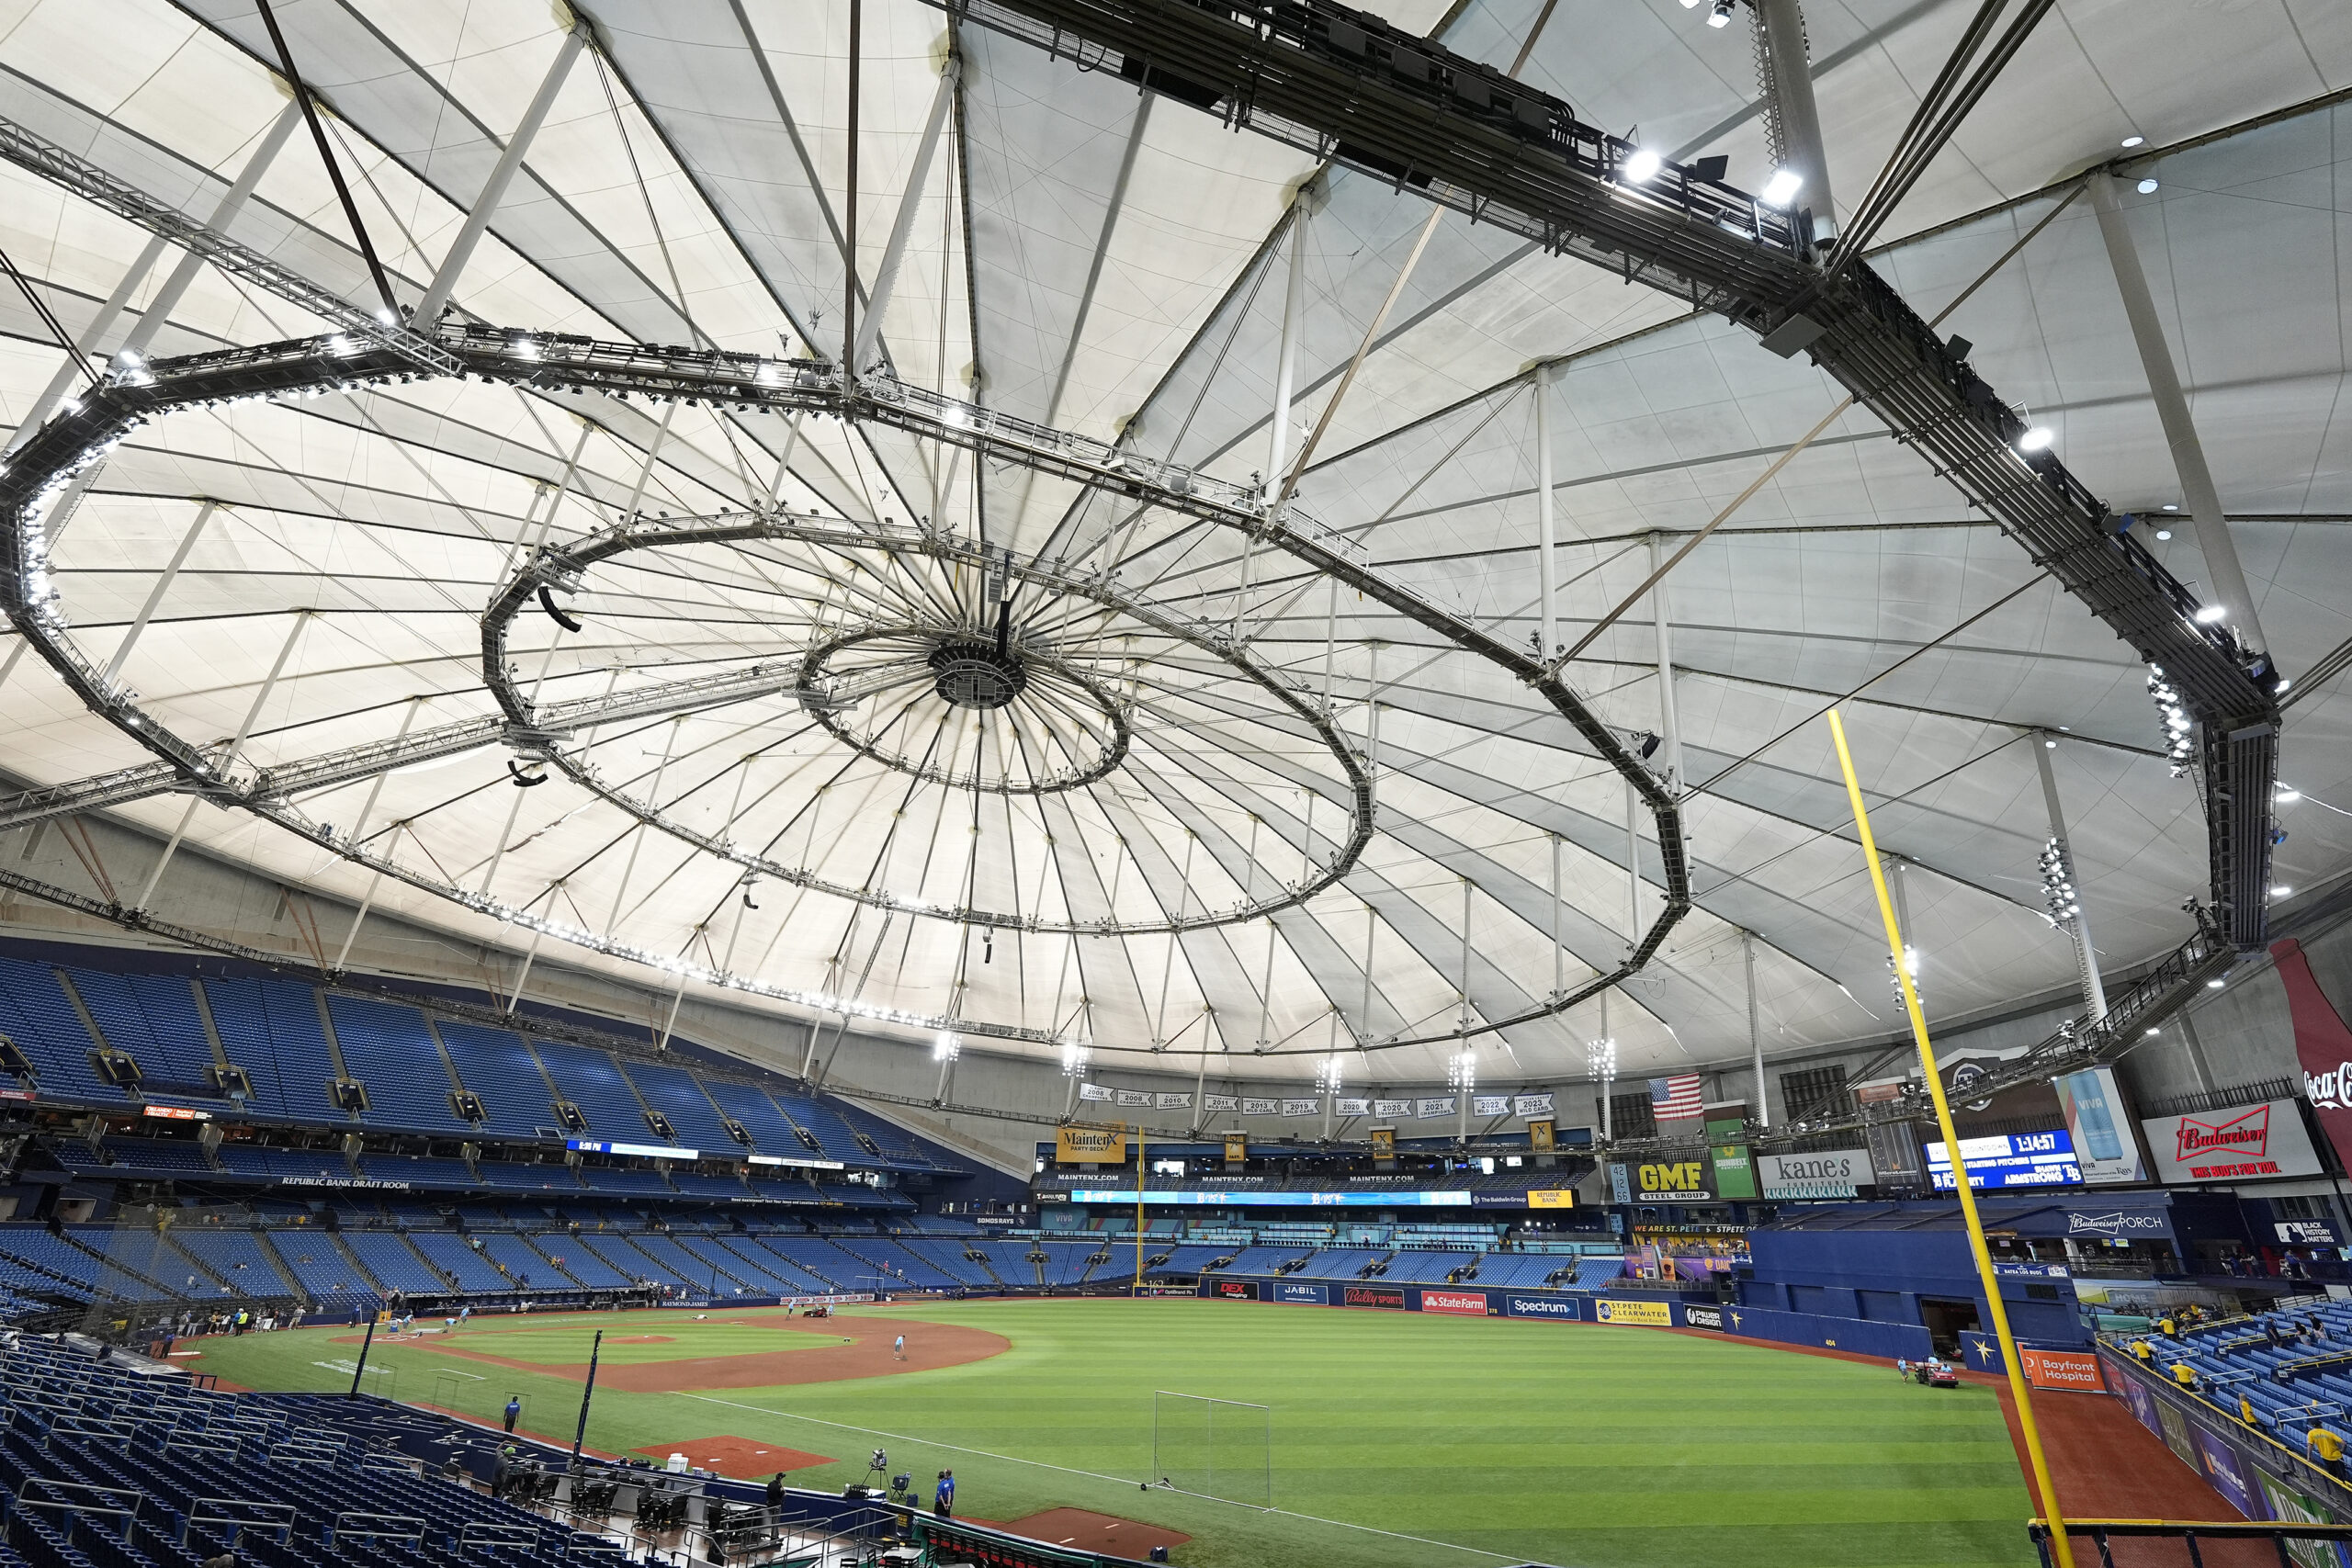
334 170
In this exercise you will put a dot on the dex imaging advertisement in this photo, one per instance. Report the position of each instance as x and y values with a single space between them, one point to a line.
2100 1127
2230 1144
2009 1159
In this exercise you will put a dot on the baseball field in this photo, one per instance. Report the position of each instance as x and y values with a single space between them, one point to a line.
1388 1439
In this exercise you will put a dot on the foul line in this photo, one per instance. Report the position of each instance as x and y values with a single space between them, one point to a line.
1098 1475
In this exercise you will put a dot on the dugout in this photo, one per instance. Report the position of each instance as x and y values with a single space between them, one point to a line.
1909 1263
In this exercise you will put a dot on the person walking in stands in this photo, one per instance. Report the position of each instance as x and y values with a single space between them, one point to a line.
499 1473
514 1409
898 1349
775 1501
942 1500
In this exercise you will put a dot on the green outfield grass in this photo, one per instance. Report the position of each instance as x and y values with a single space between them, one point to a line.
1396 1439
667 1338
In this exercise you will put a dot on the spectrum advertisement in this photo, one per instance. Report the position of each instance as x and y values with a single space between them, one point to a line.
2010 1159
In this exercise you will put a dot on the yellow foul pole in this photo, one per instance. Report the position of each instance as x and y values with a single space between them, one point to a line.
2060 1547
1143 1144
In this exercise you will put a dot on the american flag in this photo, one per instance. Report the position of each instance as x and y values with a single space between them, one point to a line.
1674 1098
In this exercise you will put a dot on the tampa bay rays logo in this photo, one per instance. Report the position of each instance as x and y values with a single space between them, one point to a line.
1736 1319
1984 1352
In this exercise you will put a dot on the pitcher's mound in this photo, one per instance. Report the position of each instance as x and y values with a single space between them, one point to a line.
1105 1533
738 1458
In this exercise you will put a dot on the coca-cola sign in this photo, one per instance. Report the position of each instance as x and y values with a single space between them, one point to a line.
2231 1143
2322 1044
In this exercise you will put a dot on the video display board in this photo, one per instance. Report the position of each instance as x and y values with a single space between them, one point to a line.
2009 1159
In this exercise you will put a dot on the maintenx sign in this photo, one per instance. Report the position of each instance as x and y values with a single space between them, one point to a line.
2230 1144
1310 1296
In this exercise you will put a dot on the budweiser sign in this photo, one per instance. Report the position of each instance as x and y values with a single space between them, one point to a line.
2231 1143
2247 1133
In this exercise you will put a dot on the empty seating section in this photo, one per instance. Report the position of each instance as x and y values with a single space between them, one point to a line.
626 1260
941 1263
43 1257
1344 1263
133 1264
1009 1261
271 1029
499 1070
35 1013
1068 1262
1420 1266
1263 1259
625 1178
563 1251
695 1184
1524 1270
307 1458
811 1255
589 1080
675 1093
895 1145
327 1274
689 1267
771 1133
1181 1259
423 1175
834 1136
153 1018
705 1253
125 1156
760 1251
516 1176
235 1257
393 1264
454 1255
525 1269
389 1049
285 1164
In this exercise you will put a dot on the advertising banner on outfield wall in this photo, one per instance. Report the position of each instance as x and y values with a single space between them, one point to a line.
2076 1370
1388 1297
1833 1173
2230 1144
1090 1145
1560 1309
1235 1289
1695 1317
1650 1315
1305 1294
1457 1303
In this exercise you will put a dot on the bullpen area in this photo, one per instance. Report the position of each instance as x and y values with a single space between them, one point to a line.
1342 1438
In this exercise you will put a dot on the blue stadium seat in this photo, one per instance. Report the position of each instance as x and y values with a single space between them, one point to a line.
390 1050
498 1068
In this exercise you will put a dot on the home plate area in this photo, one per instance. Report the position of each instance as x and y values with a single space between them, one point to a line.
740 1458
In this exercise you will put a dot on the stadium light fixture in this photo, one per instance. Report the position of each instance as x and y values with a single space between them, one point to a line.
2214 985
2209 614
2162 534
2147 187
947 1047
1329 1073
2180 746
2281 890
2287 795
1600 1056
1075 1056
1781 189
2134 142
1462 1071
2038 439
1721 16
1642 165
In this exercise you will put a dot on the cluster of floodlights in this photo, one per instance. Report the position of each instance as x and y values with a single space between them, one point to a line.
2058 882
2180 748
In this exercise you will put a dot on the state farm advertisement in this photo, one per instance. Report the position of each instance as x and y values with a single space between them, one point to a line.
1464 1303
2235 1142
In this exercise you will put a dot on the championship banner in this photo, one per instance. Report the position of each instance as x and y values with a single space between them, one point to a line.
1528 1105
1491 1105
1647 1315
1094 1091
1237 1148
2322 1044
1219 1102
2230 1143
1540 1136
1253 1106
1392 1108
1351 1108
1090 1145
1383 1143
1551 1197
2076 1370
1440 1105
1302 1108
1134 1097
1173 1102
